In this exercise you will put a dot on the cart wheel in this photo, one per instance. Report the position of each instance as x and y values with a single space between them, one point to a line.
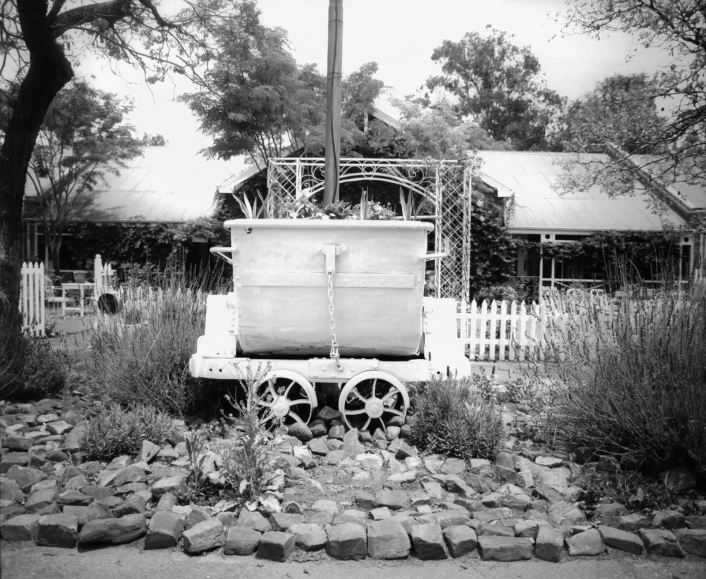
372 397
286 396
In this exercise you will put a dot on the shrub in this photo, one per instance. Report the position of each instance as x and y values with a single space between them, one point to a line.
114 431
147 363
497 293
452 417
633 387
30 369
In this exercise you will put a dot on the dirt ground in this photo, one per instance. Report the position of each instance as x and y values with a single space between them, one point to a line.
24 561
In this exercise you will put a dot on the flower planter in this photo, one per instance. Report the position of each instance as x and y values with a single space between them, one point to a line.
281 272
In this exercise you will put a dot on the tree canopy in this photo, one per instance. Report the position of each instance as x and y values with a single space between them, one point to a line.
40 41
500 84
679 27
82 138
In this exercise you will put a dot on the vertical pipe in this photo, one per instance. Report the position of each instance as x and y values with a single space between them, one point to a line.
333 101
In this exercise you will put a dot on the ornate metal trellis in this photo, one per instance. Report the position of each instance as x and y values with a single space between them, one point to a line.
442 193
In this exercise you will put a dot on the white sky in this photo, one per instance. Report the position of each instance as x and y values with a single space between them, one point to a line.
400 35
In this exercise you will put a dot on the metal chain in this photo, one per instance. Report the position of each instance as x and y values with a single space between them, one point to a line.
334 341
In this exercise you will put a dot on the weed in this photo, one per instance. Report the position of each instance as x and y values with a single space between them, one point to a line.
31 370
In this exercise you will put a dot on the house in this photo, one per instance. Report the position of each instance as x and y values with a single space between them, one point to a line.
535 210
165 185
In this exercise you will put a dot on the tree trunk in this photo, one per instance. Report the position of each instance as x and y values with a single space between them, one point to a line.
48 72
55 251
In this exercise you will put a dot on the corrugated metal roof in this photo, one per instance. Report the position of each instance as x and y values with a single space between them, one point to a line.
532 177
165 184
691 194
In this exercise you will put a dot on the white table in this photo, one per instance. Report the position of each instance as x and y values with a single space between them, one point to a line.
81 287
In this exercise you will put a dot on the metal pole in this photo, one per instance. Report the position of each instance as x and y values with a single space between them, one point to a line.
333 101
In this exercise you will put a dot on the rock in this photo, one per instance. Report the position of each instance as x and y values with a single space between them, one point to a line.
433 489
453 466
547 493
392 499
241 541
40 499
129 474
325 505
300 431
403 477
276 546
380 513
18 443
25 477
337 432
351 443
57 531
550 461
253 520
549 544
677 480
282 521
196 516
486 529
318 447
318 428
134 505
661 542
166 502
113 531
564 510
10 490
59 427
504 548
460 540
586 543
669 520
610 510
404 451
392 433
90 513
365 500
428 541
527 529
175 485
74 497
347 541
632 522
387 540
492 515
204 536
446 518
693 541
72 441
20 528
308 537
621 540
148 451
334 457
327 414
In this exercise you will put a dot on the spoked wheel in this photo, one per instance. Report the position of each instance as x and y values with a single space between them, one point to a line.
370 399
286 396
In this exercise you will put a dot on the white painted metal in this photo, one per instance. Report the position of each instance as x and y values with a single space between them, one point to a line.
284 404
280 286
394 400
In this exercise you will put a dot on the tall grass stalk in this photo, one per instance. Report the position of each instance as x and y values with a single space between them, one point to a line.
143 358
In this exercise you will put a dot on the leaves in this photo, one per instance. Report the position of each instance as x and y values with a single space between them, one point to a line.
500 84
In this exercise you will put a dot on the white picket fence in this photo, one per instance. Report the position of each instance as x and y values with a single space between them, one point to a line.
32 299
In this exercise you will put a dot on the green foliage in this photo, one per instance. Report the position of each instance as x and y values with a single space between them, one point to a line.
500 84
677 27
633 387
455 417
493 250
114 430
248 458
196 443
31 370
148 363
621 110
